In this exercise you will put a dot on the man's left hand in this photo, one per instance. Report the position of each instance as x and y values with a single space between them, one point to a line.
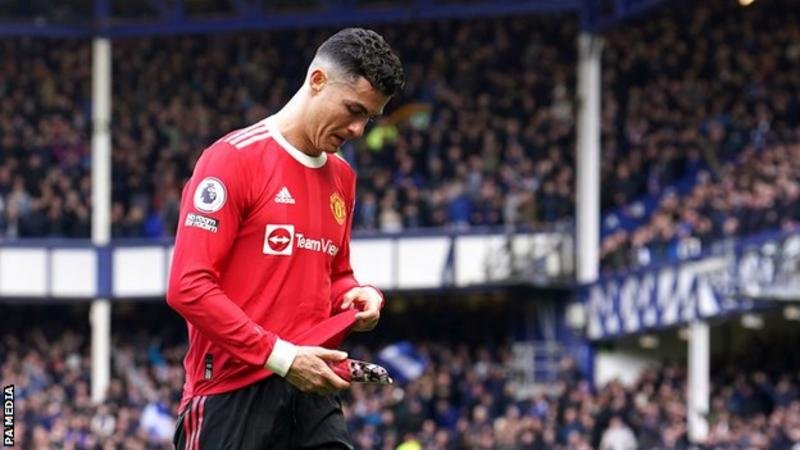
368 301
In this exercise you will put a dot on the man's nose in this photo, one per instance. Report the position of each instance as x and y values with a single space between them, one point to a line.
356 128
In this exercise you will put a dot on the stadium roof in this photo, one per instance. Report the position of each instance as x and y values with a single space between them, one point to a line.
123 18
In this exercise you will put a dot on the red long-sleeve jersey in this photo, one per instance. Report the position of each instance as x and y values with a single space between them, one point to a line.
261 253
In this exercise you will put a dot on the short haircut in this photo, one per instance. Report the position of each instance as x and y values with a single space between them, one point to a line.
361 52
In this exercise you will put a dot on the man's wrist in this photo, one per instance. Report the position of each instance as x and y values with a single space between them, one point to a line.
282 357
377 292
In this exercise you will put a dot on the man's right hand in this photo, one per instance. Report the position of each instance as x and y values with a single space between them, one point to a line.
310 371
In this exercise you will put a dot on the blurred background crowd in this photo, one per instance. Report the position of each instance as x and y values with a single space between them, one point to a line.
700 146
465 398
483 134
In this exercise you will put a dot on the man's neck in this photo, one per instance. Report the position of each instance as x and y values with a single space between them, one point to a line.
289 121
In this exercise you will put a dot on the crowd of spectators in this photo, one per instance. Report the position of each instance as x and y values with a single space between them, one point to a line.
719 111
45 186
759 191
53 407
482 135
474 131
691 86
466 398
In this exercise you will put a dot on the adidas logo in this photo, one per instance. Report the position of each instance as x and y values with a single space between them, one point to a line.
284 196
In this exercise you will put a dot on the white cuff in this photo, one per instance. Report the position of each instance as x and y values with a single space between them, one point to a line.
282 357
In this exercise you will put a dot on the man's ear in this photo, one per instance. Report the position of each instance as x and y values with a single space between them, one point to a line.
317 79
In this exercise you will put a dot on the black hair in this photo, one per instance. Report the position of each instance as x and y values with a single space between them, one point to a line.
362 52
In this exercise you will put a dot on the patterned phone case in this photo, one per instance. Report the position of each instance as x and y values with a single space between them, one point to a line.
356 371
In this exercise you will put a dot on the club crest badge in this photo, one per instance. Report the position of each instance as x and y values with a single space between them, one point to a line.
338 208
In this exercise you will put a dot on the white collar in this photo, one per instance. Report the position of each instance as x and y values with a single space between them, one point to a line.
313 162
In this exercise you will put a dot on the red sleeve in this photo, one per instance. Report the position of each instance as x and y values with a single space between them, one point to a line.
206 232
342 279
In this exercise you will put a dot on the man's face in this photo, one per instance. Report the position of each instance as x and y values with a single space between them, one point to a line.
340 110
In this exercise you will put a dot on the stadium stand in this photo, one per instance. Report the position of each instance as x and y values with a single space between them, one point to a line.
463 399
701 146
755 193
409 178
685 119
44 132
468 113
467 144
